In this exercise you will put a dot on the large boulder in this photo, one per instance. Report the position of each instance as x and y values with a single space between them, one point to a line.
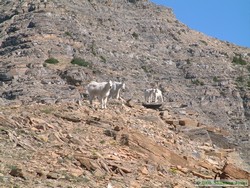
75 75
5 76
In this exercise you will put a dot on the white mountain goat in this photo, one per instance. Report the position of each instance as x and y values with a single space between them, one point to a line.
157 94
148 95
101 90
115 90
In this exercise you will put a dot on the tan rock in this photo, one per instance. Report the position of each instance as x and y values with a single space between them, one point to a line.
203 176
134 184
235 172
53 175
43 138
76 172
144 170
182 169
99 173
165 115
219 154
207 165
172 122
86 163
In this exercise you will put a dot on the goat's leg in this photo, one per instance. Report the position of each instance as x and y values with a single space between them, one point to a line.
105 102
150 98
101 102
91 100
156 99
118 95
161 98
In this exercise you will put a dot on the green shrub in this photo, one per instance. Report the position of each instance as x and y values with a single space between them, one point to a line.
93 47
215 79
132 1
135 35
51 61
188 61
80 62
47 110
68 34
103 59
248 68
198 82
204 42
145 68
248 83
240 79
239 60
102 141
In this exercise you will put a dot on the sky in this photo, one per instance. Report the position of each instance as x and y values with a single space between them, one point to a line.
227 20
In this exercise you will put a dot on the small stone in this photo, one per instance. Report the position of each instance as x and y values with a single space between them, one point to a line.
99 173
117 128
144 170
124 139
110 133
52 175
43 138
188 122
18 172
76 172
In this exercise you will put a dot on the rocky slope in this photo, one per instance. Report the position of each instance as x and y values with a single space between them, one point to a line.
67 145
133 40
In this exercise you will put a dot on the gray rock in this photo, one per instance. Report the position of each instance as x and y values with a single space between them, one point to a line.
197 134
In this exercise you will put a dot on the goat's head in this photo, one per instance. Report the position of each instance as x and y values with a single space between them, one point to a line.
123 85
110 84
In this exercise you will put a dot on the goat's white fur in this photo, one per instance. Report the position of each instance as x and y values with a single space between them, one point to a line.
153 95
115 90
148 95
101 90
157 94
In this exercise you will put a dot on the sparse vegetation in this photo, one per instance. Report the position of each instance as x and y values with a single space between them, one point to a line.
144 67
248 68
92 48
239 60
80 62
13 167
173 170
132 1
135 35
243 82
240 79
248 83
215 79
68 34
197 82
204 42
188 61
51 61
103 59
102 141
47 110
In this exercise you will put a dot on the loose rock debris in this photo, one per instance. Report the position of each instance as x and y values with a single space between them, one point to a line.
96 151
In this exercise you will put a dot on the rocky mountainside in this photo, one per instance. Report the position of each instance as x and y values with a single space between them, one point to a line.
51 50
67 145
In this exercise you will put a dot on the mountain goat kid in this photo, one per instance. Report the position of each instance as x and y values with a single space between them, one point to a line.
101 90
157 94
148 95
115 90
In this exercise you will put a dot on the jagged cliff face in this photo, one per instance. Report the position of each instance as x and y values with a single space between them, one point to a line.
133 40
